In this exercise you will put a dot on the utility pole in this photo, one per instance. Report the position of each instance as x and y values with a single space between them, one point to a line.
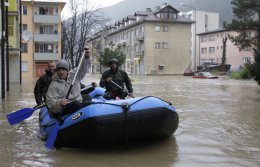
20 17
7 45
3 34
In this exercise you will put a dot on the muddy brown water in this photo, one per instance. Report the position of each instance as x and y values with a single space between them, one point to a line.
219 126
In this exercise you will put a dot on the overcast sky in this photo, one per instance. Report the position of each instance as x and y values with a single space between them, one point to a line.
93 3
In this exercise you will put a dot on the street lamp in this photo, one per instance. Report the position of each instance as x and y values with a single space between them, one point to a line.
195 49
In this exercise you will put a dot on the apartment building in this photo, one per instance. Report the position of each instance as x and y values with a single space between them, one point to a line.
41 26
211 49
205 21
154 41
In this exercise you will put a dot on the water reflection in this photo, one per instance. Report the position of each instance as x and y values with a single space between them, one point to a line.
150 153
219 126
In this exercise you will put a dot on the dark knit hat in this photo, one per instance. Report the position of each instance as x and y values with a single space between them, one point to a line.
63 64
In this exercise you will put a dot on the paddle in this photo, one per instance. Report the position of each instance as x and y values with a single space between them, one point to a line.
120 87
53 134
20 115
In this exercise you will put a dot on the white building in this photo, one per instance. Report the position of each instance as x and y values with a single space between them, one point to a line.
205 21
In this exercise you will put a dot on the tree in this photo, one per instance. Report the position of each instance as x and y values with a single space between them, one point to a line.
77 28
247 15
224 57
108 54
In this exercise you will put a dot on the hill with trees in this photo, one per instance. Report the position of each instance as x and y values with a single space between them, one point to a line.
128 7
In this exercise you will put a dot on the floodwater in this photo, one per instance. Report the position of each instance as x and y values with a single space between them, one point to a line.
219 126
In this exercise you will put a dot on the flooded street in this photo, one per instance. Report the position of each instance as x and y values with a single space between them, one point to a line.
219 126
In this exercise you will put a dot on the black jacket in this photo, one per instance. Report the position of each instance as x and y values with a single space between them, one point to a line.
42 86
120 77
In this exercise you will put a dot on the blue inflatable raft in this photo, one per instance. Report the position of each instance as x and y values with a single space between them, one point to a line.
105 121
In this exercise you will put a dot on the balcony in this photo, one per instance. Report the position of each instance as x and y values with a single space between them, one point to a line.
140 37
139 54
46 56
121 43
46 37
52 19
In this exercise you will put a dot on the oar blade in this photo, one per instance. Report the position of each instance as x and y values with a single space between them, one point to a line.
19 115
52 136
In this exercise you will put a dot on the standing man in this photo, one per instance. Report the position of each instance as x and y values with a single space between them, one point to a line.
61 81
114 80
43 83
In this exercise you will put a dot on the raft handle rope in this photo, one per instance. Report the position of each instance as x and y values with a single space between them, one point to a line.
125 107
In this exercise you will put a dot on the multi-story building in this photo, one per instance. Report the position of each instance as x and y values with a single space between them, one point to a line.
41 25
154 42
211 48
205 21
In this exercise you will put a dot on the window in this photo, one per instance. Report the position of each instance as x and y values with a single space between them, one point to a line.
165 29
10 25
165 45
163 15
24 9
136 48
141 30
190 16
211 50
203 50
46 29
212 38
206 21
247 49
137 32
247 59
24 48
24 66
24 27
248 34
157 28
211 60
203 61
204 39
157 45
46 11
43 48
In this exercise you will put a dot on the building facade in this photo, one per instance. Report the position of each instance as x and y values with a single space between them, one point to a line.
154 42
10 52
211 49
205 21
41 27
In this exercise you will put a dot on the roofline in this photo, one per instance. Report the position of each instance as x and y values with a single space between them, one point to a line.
46 1
212 32
143 21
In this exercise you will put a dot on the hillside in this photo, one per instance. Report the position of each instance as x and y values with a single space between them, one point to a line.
128 7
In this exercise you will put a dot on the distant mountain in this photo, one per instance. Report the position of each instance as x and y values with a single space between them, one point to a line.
128 7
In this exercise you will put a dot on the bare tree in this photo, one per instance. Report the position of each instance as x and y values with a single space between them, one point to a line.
80 26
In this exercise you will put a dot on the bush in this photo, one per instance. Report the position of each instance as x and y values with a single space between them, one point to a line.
242 74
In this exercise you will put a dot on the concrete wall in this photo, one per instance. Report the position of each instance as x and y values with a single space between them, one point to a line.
233 55
176 58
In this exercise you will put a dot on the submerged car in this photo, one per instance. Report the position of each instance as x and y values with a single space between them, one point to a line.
204 75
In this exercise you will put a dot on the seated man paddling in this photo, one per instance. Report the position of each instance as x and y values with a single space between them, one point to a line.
56 100
114 81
